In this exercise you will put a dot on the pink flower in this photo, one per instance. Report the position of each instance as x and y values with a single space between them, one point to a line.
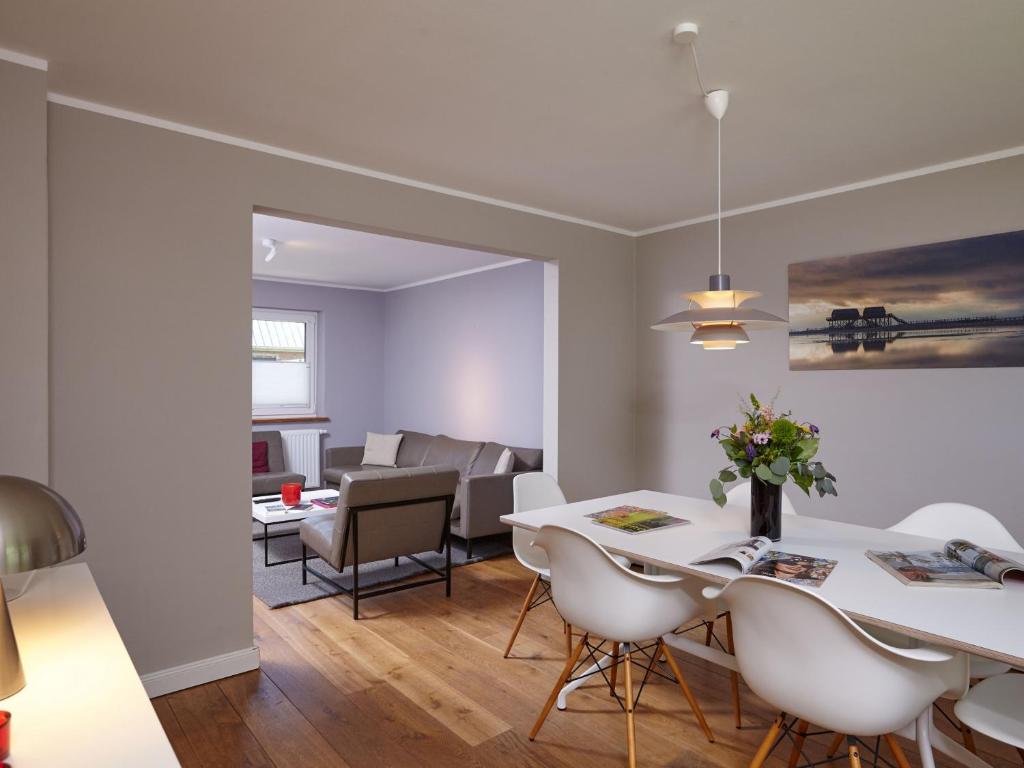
761 438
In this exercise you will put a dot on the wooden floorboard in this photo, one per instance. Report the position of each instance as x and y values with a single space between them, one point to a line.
420 681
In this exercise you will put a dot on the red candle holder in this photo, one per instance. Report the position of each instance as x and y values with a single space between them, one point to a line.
291 494
5 735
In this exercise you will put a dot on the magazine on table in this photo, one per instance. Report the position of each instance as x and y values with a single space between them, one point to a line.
959 564
636 519
756 557
302 507
326 502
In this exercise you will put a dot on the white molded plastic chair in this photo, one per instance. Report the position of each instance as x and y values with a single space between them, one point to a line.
952 520
601 597
995 707
801 654
535 490
740 496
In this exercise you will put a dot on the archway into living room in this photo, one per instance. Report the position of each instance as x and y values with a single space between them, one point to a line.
374 350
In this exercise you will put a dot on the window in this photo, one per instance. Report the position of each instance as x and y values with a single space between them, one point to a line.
283 363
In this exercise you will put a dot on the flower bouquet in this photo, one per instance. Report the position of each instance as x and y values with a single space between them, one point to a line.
769 448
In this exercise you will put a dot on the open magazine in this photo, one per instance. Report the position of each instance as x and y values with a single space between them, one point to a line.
756 557
636 519
960 564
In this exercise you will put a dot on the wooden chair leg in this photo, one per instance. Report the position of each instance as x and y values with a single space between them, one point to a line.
769 740
834 745
522 614
1020 751
734 677
854 752
897 751
968 736
559 684
798 743
568 639
630 732
686 691
615 666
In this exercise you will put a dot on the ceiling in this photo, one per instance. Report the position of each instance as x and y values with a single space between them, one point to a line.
580 107
316 253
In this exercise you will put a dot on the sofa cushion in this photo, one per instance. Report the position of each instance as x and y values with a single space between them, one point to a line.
381 449
259 457
333 475
275 451
505 462
413 448
528 459
486 459
270 482
449 452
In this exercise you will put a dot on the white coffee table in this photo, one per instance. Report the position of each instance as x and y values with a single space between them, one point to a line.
261 515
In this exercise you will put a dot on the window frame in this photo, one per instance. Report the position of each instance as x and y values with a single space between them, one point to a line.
309 318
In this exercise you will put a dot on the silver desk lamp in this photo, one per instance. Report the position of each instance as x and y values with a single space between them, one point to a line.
38 528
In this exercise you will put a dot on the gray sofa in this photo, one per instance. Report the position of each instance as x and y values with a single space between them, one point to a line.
267 483
482 496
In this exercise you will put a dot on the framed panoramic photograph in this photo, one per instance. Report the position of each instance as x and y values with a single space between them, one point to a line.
958 304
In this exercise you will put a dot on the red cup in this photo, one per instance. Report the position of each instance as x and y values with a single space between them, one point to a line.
291 494
5 735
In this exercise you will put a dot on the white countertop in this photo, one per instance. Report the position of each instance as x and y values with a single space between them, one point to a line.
83 703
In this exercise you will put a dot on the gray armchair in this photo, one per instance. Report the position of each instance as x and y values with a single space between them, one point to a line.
266 483
384 514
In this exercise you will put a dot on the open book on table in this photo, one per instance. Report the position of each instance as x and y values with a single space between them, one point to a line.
960 564
636 519
756 557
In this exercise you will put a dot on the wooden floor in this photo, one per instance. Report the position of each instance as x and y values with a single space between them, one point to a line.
420 681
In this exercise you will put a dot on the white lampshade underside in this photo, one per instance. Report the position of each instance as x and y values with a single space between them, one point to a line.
718 337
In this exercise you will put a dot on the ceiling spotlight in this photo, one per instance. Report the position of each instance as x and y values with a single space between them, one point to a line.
272 244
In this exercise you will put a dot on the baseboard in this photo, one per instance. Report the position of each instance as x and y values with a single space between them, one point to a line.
202 671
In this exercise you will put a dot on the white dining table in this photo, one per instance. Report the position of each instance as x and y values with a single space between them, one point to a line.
986 622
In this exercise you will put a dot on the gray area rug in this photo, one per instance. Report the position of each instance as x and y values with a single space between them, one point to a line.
281 585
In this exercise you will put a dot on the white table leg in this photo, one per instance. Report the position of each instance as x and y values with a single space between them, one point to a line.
602 663
923 730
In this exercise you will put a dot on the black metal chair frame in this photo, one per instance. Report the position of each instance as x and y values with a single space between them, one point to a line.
353 528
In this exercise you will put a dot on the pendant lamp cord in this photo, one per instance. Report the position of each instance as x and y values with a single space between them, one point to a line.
696 67
719 195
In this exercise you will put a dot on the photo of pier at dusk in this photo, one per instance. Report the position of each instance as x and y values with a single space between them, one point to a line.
957 304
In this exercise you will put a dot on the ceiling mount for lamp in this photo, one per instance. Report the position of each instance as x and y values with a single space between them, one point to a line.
718 321
272 244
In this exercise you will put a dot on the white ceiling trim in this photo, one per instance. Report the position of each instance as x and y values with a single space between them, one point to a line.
24 59
156 122
928 169
440 278
453 275
202 133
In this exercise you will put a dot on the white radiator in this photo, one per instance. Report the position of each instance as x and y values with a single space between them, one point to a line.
302 453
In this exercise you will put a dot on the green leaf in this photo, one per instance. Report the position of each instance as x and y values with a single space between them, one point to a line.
745 472
764 473
780 466
777 479
808 448
818 470
727 476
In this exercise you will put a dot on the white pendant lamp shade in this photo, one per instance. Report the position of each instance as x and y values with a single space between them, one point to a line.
715 315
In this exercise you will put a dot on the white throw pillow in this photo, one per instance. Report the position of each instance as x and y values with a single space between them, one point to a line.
505 462
381 450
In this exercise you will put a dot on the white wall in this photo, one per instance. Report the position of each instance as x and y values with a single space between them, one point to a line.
465 356
896 439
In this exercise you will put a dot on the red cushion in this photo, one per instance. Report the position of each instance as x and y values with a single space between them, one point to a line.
260 462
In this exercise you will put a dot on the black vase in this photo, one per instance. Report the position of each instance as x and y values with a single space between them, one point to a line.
765 509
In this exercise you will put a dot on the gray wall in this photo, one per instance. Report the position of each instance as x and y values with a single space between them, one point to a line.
350 366
24 419
465 356
896 439
151 251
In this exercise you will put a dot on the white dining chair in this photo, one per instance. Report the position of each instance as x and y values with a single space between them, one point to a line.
803 656
952 520
629 610
995 707
535 490
739 495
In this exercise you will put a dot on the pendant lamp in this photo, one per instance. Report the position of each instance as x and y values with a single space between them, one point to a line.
715 316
